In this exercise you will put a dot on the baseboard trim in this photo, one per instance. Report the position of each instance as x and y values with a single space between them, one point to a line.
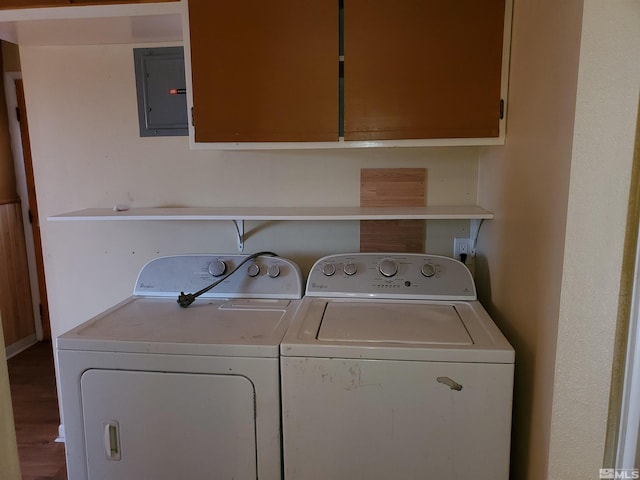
60 437
21 345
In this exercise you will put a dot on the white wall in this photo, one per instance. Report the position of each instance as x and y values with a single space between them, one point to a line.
552 257
526 184
9 462
601 164
82 113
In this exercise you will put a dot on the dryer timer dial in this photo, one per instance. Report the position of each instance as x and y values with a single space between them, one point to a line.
217 267
253 270
273 271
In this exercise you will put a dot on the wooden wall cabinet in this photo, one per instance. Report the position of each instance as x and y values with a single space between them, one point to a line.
413 69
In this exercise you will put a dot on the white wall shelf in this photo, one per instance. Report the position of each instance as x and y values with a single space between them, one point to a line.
239 214
280 213
93 24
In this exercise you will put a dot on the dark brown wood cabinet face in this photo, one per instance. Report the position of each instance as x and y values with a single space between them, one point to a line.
264 71
422 68
412 69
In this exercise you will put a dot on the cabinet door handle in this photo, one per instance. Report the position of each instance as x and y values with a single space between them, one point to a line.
450 383
111 440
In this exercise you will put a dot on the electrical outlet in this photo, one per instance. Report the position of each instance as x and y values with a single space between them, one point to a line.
461 245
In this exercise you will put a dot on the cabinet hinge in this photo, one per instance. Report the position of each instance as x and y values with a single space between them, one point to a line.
30 215
18 114
501 109
40 309
193 121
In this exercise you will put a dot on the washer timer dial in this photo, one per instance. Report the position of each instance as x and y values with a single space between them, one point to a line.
328 269
428 270
350 268
388 267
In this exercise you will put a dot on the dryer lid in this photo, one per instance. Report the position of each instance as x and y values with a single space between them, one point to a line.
389 322
232 328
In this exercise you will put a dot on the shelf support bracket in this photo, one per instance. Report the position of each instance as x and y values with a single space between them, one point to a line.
240 231
474 231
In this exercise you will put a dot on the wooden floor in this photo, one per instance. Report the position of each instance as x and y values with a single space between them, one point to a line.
35 408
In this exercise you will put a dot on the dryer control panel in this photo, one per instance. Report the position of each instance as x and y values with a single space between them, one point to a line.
391 275
261 277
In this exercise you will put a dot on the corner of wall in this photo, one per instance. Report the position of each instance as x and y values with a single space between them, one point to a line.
10 57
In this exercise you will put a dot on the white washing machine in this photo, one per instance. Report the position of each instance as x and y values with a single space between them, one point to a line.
150 390
391 368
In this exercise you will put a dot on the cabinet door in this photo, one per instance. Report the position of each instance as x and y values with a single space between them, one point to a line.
422 68
264 70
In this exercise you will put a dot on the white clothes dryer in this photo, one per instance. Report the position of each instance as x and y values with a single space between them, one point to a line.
391 368
150 390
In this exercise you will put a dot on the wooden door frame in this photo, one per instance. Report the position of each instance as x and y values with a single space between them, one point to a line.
42 331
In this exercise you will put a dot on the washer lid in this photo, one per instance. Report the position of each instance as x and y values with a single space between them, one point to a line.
377 322
389 329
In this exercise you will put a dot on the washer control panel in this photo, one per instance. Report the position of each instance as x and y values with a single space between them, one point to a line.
391 275
262 277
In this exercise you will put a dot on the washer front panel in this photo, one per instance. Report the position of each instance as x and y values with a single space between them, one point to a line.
346 419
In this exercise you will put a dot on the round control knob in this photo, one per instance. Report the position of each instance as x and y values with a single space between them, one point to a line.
328 269
350 268
273 270
428 270
388 267
253 270
217 267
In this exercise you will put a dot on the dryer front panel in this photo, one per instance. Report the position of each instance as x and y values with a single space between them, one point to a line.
168 425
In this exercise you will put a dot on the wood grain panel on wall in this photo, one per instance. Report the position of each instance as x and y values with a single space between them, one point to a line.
15 289
392 187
